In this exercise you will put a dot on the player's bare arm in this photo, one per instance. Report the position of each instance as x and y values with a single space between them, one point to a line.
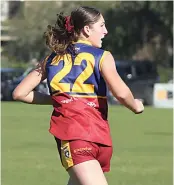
24 91
118 88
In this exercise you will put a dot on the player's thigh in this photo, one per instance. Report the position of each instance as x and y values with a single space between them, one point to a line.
87 173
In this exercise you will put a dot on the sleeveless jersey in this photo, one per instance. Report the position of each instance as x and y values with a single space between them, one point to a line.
79 95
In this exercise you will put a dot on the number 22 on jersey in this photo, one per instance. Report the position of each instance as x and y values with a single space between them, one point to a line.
78 86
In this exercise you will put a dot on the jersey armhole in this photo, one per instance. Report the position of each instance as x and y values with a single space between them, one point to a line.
44 62
102 59
46 59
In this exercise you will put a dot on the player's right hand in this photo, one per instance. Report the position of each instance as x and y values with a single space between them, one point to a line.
140 106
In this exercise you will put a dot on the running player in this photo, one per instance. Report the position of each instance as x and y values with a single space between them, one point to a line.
77 72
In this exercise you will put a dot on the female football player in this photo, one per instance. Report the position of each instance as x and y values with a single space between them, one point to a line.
77 72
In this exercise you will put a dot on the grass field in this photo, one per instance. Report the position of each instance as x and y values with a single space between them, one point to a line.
142 147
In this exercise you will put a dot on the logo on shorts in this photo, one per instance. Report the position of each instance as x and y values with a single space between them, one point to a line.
66 151
82 149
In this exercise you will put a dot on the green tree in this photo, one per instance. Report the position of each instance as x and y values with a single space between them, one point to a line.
137 29
31 22
141 29
29 26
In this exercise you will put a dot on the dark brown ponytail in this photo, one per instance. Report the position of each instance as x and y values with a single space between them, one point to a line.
68 28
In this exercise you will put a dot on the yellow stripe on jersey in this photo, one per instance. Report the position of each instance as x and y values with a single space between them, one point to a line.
89 96
82 96
66 157
102 59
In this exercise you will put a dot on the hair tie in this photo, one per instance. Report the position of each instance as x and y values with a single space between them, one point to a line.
68 26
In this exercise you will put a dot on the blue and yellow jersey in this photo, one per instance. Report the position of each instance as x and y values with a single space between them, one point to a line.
78 75
79 95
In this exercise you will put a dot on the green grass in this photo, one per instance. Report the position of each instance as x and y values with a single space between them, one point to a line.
142 147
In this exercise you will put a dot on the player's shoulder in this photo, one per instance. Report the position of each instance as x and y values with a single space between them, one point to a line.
51 56
97 49
100 51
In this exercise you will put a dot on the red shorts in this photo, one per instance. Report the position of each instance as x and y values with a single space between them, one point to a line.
77 151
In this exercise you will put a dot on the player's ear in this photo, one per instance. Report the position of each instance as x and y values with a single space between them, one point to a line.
87 30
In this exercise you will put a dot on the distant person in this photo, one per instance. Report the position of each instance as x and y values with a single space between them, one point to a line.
77 72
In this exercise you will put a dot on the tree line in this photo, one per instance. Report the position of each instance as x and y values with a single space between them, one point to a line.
140 30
